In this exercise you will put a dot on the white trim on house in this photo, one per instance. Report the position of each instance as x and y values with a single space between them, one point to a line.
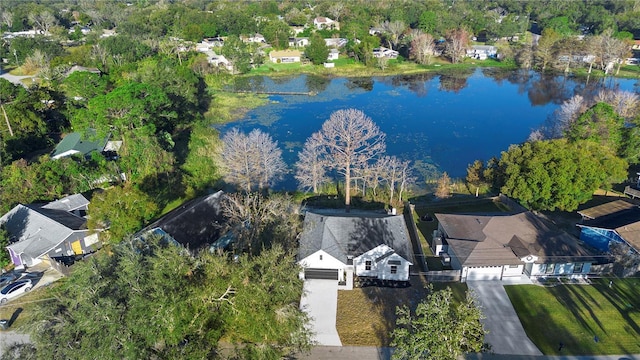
383 263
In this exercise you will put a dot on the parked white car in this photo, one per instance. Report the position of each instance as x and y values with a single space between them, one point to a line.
15 289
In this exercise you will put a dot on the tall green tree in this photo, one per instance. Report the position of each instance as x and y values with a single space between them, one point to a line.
557 174
238 53
132 106
600 124
544 51
277 33
317 50
152 299
438 329
123 210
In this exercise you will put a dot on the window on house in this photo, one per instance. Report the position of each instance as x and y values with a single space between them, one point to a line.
577 267
320 256
367 265
550 268
394 269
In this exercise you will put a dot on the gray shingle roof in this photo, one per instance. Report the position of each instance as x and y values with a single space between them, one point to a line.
69 203
194 224
34 232
342 236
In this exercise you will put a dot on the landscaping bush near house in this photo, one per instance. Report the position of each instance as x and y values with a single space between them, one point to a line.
587 319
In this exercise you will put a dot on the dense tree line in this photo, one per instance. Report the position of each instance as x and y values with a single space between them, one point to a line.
144 25
152 299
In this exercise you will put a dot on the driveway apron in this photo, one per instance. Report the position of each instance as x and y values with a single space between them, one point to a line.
320 301
506 334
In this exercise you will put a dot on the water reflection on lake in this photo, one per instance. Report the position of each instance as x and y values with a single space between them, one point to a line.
441 122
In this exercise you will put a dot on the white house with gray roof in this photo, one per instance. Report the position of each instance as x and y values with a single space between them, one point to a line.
339 247
49 230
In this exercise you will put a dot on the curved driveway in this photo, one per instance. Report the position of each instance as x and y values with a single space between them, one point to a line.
506 334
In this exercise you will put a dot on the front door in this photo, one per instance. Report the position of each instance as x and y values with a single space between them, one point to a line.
76 247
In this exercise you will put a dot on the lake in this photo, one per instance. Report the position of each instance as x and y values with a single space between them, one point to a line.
441 122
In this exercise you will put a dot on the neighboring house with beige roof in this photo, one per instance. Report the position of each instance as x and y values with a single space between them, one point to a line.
323 22
485 247
285 56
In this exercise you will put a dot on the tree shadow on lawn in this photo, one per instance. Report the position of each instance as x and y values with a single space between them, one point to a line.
571 292
621 301
555 339
548 327
387 299
369 315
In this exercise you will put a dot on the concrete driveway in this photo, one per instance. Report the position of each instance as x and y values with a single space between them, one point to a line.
320 301
506 334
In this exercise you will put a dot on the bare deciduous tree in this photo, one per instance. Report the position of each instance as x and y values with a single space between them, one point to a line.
311 168
351 140
382 62
625 102
536 135
270 166
43 21
397 175
394 30
457 44
99 53
406 179
626 259
607 50
258 221
569 112
251 160
336 10
7 19
423 48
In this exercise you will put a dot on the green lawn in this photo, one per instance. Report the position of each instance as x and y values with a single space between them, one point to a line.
366 316
576 314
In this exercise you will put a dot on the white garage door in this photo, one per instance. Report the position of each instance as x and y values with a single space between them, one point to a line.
484 273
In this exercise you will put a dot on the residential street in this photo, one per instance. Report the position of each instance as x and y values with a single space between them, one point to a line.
13 78
9 337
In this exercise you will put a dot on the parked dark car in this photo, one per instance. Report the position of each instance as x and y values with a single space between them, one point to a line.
15 289
7 279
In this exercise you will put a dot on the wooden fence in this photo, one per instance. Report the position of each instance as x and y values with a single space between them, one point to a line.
442 276
60 267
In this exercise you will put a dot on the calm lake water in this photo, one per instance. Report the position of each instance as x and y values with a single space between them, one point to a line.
439 122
